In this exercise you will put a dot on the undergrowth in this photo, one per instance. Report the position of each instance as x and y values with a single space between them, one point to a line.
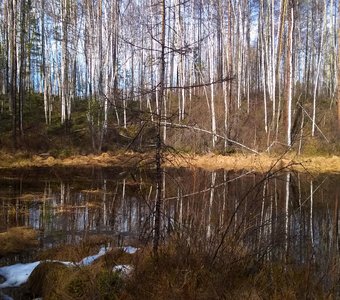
17 240
182 270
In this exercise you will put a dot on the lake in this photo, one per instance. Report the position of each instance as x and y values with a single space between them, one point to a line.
290 216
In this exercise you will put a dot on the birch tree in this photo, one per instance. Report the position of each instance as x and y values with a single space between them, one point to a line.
289 71
12 9
65 7
338 72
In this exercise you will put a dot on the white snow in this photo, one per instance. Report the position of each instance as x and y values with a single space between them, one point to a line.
90 259
130 250
123 269
18 274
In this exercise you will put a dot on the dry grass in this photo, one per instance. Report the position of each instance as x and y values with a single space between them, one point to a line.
97 281
75 252
260 163
43 278
95 192
181 270
16 240
280 281
33 197
256 162
128 159
55 281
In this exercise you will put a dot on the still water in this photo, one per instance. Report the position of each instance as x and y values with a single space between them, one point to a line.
274 215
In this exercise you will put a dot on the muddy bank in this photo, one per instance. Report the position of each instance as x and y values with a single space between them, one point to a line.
258 162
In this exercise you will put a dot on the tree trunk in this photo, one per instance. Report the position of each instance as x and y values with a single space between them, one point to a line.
289 74
13 68
159 147
22 66
64 62
338 72
318 69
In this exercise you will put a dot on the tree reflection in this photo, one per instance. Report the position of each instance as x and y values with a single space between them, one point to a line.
284 215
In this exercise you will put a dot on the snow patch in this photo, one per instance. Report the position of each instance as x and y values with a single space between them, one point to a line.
130 250
90 259
18 274
123 269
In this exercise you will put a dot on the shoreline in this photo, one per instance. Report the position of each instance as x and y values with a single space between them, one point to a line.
250 162
263 163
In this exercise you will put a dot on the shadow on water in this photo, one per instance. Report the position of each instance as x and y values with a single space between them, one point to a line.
283 216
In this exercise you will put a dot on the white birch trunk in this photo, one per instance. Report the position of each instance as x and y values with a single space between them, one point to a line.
290 78
64 62
318 69
212 99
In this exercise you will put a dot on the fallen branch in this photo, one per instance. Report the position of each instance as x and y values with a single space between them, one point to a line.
207 131
317 127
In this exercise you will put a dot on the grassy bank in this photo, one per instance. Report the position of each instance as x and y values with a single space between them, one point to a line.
17 240
181 270
258 162
262 162
23 160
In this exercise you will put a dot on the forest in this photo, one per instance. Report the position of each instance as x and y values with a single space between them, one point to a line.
169 149
223 76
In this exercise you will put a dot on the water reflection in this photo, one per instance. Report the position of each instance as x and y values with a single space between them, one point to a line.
279 216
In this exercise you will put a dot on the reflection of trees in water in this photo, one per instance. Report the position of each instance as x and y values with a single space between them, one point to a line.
287 215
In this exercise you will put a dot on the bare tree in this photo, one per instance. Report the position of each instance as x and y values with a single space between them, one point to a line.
159 147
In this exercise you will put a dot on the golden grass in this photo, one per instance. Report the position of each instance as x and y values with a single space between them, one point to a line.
52 280
95 192
33 197
186 272
128 159
255 162
179 271
55 281
16 240
75 252
44 278
260 163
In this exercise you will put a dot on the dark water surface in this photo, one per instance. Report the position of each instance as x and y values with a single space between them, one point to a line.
275 215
